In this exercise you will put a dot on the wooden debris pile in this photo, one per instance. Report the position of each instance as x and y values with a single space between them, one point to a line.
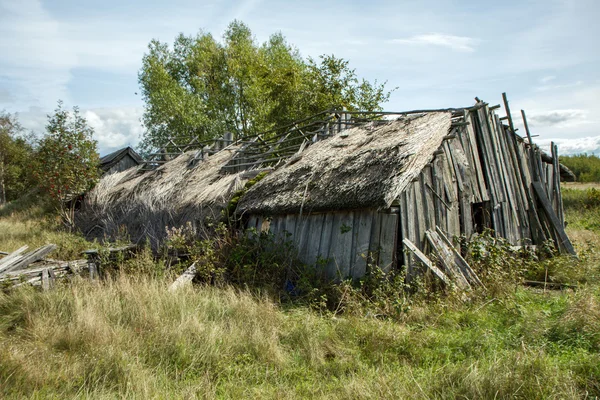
33 268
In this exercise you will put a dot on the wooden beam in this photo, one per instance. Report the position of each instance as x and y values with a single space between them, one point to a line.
184 278
564 241
426 261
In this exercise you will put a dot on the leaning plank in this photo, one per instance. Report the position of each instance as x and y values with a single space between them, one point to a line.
465 268
10 259
32 257
45 280
426 261
446 258
184 278
564 241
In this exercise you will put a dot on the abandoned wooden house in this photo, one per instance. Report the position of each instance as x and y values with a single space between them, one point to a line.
349 188
120 160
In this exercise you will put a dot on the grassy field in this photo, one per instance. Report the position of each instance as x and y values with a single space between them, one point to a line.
129 337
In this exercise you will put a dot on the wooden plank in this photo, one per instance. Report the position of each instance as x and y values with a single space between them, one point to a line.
326 237
387 239
313 240
465 268
557 188
12 258
303 238
483 187
341 245
45 280
374 245
363 223
426 261
446 258
564 241
290 226
421 226
252 222
184 279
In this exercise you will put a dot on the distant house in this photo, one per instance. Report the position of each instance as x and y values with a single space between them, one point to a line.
120 160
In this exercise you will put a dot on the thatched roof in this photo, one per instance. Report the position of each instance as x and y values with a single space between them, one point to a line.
363 167
178 192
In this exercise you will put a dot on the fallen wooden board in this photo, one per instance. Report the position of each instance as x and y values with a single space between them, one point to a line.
446 258
13 257
30 258
184 278
423 258
564 241
460 261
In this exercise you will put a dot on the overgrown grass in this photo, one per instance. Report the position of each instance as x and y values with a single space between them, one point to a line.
129 337
32 226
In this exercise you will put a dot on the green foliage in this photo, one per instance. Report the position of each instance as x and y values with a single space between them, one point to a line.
202 88
229 211
582 208
16 152
585 167
67 160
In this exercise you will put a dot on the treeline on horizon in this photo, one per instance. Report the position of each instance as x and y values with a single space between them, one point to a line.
586 167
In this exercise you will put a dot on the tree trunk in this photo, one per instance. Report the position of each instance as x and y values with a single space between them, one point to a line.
2 189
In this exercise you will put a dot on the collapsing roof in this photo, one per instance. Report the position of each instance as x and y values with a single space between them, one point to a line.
439 168
364 167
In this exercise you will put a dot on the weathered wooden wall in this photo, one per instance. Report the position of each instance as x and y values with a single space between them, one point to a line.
483 177
124 163
343 240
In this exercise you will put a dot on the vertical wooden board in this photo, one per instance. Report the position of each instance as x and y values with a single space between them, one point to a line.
420 213
259 222
489 164
426 184
303 240
363 222
520 197
290 226
341 245
440 208
387 240
274 227
510 190
374 245
326 234
252 222
450 176
483 187
313 238
550 183
557 188
412 222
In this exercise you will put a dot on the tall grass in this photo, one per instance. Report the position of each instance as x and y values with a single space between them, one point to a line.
131 337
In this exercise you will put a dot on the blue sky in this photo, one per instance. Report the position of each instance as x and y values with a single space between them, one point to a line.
544 54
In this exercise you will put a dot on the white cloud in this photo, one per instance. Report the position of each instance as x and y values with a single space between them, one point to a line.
590 145
458 43
547 79
114 127
557 117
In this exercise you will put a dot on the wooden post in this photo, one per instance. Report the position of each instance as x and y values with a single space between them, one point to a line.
536 227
